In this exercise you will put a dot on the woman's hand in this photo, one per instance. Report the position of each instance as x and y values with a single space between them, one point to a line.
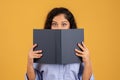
33 54
30 69
85 54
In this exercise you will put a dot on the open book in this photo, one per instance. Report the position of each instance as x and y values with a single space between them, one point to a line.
58 46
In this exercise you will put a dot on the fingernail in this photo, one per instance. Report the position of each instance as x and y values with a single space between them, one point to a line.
76 53
75 49
79 44
40 50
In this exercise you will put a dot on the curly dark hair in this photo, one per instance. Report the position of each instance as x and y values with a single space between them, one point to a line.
56 11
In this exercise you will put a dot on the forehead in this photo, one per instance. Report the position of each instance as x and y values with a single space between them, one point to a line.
60 17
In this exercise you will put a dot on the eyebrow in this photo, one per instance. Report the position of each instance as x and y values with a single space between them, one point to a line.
62 21
53 21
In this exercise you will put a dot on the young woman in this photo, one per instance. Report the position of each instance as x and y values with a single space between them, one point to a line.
60 18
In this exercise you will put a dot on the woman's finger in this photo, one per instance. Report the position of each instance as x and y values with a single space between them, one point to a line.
81 47
37 55
84 45
34 46
78 51
38 51
80 55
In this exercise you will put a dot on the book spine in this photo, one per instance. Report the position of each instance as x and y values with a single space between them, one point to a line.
58 46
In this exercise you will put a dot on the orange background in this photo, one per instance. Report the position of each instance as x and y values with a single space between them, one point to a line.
99 18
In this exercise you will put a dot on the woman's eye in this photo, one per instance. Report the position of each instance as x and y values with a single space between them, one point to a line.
64 24
54 24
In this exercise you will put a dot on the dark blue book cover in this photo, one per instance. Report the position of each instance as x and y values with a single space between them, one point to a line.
58 45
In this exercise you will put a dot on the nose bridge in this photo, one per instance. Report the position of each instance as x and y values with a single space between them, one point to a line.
59 26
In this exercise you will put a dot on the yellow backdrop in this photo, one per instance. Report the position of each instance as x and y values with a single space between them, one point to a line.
99 18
